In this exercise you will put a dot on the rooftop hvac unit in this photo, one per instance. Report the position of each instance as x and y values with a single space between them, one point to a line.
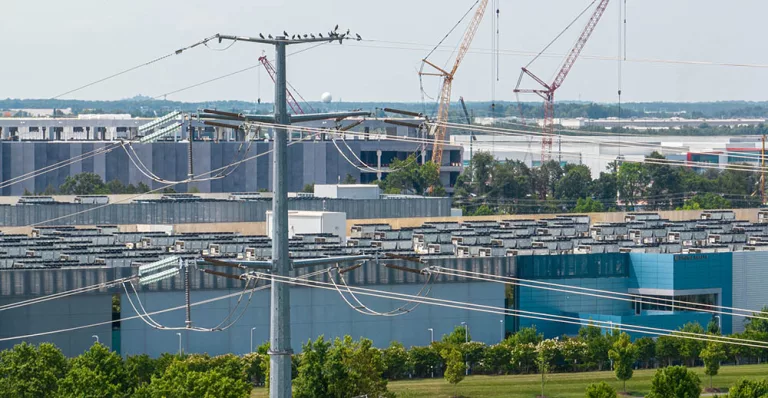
159 122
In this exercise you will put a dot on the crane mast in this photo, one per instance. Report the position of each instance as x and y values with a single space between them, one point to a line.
438 129
547 92
292 103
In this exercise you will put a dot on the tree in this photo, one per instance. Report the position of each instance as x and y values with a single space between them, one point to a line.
481 166
115 187
94 370
713 327
140 369
623 354
511 182
311 382
546 177
690 348
667 349
354 368
483 210
141 187
455 367
588 205
29 372
180 381
423 361
497 359
574 352
665 181
395 359
349 179
712 355
632 180
408 176
758 323
675 382
604 189
85 382
83 184
746 388
706 201
574 184
308 188
546 354
458 337
600 390
523 356
598 345
646 350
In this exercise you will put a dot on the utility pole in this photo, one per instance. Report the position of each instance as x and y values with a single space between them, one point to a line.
280 306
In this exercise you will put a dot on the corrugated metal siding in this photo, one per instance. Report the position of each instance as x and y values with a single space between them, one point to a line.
215 212
750 283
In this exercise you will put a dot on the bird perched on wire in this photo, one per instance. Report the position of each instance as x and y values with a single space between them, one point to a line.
305 35
270 36
312 36
285 34
336 28
321 35
358 37
261 35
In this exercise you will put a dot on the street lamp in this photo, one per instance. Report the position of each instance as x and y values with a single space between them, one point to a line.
97 338
431 335
179 334
252 329
719 323
466 340
501 326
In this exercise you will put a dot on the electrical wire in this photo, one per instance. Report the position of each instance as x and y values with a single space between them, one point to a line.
365 310
58 295
560 34
150 62
606 294
523 314
224 76
701 165
71 329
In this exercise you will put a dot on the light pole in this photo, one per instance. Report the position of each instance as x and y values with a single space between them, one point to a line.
501 326
97 338
719 323
252 329
431 335
466 340
179 334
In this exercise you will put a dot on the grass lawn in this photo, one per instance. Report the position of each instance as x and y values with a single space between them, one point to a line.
558 385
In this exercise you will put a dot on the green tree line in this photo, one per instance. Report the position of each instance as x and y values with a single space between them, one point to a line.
491 187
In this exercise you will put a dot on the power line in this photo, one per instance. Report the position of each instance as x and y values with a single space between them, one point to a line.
606 294
520 313
150 62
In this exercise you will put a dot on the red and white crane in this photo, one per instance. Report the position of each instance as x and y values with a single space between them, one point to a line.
548 90
292 103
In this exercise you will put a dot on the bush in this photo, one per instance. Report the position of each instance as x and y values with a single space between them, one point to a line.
675 382
746 388
600 390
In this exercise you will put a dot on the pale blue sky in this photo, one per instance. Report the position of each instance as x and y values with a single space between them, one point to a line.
52 46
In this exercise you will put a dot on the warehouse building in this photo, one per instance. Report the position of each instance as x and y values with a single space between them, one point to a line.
668 272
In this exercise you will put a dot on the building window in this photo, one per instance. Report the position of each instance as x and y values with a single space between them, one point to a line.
574 266
681 303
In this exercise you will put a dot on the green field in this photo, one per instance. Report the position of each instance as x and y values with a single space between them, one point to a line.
558 385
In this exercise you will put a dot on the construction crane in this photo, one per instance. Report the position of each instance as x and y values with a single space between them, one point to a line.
438 129
292 103
548 90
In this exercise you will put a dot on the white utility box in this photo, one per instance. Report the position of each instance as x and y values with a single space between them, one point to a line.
347 191
313 222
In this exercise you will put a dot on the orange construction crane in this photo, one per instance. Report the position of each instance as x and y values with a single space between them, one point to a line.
437 131
548 90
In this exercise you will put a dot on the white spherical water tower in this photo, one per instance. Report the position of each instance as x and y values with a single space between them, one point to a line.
326 97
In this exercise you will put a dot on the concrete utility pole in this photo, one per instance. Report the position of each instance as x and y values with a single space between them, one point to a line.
280 306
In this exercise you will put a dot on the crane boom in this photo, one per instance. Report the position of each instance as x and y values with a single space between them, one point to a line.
295 107
576 50
438 127
548 90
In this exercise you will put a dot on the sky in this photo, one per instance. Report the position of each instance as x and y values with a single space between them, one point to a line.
53 46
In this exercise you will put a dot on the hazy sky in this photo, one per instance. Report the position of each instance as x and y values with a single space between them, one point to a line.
52 46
